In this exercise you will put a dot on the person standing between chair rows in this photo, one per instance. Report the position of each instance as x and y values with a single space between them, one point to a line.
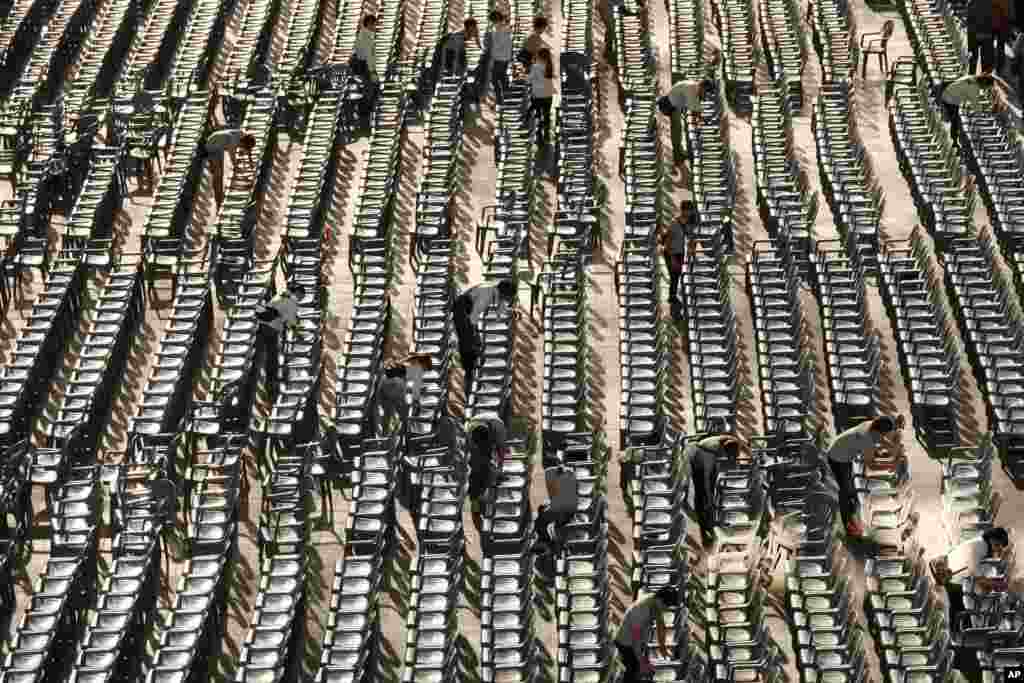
563 500
635 632
534 42
673 249
281 312
542 93
498 46
364 59
391 392
703 456
487 452
469 307
856 441
684 96
219 142
966 91
964 561
450 55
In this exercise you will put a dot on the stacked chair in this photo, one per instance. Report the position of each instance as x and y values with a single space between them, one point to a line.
787 205
833 40
197 44
581 569
311 194
969 504
370 268
783 45
853 355
32 29
640 166
250 52
442 161
576 225
735 19
66 588
189 638
431 625
711 333
57 47
352 634
786 367
850 185
168 394
433 24
92 214
143 58
302 29
929 351
904 619
994 153
112 642
944 200
433 330
686 31
175 192
713 174
937 37
632 46
989 318
347 23
274 645
508 646
16 507
643 344
50 324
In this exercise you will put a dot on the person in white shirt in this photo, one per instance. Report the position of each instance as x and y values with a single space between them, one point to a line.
685 96
967 91
851 444
563 499
219 142
280 313
364 58
634 634
468 308
498 44
542 92
391 392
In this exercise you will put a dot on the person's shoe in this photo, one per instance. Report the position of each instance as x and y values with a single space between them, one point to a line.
855 529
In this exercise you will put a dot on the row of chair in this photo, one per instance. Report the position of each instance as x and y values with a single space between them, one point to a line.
969 504
198 43
783 45
850 184
247 63
943 194
151 48
735 21
713 179
686 21
833 38
929 351
59 43
303 29
937 38
994 153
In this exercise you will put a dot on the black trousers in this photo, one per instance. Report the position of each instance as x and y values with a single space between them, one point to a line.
964 659
481 463
702 497
980 46
271 347
848 502
674 277
360 68
542 107
630 663
545 516
470 343
499 80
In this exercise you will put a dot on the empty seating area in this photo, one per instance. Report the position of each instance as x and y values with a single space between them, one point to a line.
177 505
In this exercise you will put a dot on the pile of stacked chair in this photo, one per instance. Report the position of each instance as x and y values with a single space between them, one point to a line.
937 37
581 571
43 73
303 28
657 493
190 637
179 179
640 167
434 249
98 201
352 633
632 47
735 19
969 504
833 39
945 202
686 24
50 324
247 62
431 625
168 393
508 648
786 366
274 644
433 25
576 225
983 298
16 506
198 43
369 263
929 351
849 183
993 152
66 588
712 339
713 173
112 641
783 44
788 206
29 30
81 414
150 42
854 356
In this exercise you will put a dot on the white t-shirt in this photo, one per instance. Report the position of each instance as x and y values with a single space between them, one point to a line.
565 502
365 48
501 45
541 87
221 140
853 442
962 92
287 308
685 95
